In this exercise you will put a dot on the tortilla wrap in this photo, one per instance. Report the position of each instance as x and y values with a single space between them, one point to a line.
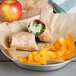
34 4
23 41
45 35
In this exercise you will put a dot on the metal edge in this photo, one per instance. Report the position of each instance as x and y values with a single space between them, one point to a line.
38 65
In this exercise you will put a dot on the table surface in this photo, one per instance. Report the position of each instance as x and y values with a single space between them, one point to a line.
7 68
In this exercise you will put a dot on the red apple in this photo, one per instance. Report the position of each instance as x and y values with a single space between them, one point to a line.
10 10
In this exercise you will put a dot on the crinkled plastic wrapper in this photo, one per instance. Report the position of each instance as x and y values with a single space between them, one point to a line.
59 25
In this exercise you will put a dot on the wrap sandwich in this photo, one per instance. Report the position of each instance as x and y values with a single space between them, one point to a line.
34 4
40 30
23 41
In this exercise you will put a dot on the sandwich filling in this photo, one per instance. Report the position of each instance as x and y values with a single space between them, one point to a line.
37 27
